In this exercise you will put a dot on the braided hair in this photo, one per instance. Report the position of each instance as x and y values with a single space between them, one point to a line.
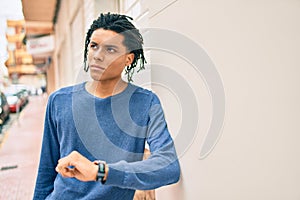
133 40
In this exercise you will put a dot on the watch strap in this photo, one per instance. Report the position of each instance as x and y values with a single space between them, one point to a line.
101 170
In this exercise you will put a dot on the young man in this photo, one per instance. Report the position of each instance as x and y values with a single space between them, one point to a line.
95 132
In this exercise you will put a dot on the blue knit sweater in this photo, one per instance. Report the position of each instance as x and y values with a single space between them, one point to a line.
113 129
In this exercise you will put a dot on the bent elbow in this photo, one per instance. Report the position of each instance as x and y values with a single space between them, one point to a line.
176 173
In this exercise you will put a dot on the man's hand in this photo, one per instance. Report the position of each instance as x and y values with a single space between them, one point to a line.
144 195
77 166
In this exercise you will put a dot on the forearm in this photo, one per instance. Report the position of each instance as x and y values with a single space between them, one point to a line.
143 175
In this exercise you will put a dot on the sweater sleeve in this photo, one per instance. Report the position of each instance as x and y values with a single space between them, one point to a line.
49 155
161 168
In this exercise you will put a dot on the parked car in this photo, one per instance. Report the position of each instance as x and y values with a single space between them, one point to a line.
24 97
4 110
14 101
17 96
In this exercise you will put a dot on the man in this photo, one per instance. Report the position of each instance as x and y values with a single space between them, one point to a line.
95 132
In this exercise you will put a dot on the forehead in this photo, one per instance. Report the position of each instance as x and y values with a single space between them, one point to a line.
102 36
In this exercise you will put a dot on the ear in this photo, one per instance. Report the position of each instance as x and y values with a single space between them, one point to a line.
129 59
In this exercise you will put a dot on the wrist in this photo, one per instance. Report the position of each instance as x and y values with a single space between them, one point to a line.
106 172
102 171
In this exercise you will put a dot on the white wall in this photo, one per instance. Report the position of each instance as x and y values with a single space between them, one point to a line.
255 47
104 6
138 10
63 55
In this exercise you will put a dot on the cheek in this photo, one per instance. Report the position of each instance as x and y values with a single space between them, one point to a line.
116 67
89 56
119 61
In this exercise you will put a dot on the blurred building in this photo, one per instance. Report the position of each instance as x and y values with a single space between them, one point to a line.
28 42
19 61
9 10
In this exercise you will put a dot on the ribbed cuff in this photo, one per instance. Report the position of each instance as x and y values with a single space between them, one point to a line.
116 174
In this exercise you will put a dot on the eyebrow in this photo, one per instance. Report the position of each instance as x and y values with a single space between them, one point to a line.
106 45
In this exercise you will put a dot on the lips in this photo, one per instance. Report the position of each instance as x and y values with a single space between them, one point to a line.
97 67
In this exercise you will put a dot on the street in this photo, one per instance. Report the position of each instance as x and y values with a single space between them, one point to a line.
20 143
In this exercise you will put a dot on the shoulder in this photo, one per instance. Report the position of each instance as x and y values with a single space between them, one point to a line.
143 93
65 93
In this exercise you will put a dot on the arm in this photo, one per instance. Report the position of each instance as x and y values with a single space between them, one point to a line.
161 168
144 194
49 156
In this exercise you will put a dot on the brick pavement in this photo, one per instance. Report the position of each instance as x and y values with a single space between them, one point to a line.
20 151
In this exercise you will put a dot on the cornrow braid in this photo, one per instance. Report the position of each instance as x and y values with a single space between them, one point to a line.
133 39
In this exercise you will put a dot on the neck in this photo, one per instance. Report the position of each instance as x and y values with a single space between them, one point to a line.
104 89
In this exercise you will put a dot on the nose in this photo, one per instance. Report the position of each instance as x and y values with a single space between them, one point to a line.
99 55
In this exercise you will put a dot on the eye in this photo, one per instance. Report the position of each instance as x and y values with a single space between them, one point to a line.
93 46
111 50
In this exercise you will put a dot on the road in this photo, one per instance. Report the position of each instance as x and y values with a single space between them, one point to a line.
20 145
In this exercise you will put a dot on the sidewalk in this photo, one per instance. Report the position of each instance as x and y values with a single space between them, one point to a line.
19 152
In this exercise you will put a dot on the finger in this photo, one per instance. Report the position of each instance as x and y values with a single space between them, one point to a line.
63 163
150 195
66 161
139 195
66 172
74 159
61 167
69 173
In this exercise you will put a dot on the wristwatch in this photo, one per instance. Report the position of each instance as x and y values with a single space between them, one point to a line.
101 170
